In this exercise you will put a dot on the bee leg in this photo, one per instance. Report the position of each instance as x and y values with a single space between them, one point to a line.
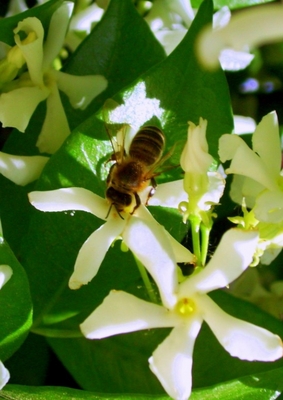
138 202
152 190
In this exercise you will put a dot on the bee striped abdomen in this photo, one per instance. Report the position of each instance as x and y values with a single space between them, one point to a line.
147 145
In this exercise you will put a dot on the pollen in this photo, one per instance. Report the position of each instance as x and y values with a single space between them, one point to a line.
185 307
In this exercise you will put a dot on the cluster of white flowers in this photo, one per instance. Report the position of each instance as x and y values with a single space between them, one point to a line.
183 305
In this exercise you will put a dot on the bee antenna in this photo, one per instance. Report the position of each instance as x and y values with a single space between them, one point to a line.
116 210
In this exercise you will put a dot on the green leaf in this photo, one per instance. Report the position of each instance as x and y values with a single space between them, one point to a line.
264 386
232 4
15 305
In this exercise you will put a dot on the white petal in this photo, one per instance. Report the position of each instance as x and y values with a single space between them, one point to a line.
55 128
266 143
241 339
70 199
269 206
5 274
21 169
17 106
122 312
172 361
93 252
244 161
33 51
4 375
81 90
243 124
182 8
215 191
149 243
170 39
169 194
242 31
56 33
232 60
232 256
182 254
246 188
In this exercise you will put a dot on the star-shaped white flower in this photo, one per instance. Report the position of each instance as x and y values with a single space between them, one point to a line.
5 274
260 181
21 169
42 81
171 362
149 241
247 29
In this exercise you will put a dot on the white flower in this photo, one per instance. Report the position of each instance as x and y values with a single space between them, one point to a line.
5 274
247 29
148 240
260 183
41 81
21 169
171 362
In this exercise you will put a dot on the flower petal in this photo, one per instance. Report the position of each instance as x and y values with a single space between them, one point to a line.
232 256
268 207
149 243
21 169
122 312
169 194
56 33
5 274
244 161
247 188
17 106
266 143
240 338
93 252
81 90
242 31
4 375
55 128
172 361
70 199
32 50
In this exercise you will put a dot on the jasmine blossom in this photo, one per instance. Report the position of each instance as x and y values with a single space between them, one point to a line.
149 241
171 362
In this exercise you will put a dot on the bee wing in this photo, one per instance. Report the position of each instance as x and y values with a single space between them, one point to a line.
115 131
159 167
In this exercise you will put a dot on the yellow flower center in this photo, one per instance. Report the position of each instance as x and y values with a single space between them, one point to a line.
185 307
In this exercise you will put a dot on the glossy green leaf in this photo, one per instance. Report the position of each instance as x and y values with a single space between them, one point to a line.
232 4
15 305
264 386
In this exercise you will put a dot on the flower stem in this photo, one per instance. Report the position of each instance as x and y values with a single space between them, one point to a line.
146 281
205 232
195 229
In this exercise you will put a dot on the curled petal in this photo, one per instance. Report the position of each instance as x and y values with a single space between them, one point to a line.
4 375
169 194
244 160
122 312
266 143
149 243
56 33
55 128
81 90
268 207
21 169
241 339
232 256
171 362
242 31
93 252
32 49
70 199
5 274
17 106
216 186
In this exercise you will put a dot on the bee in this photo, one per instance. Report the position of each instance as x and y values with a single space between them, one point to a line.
133 172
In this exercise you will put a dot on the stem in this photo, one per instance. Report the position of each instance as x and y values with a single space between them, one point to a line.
205 232
195 227
146 281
